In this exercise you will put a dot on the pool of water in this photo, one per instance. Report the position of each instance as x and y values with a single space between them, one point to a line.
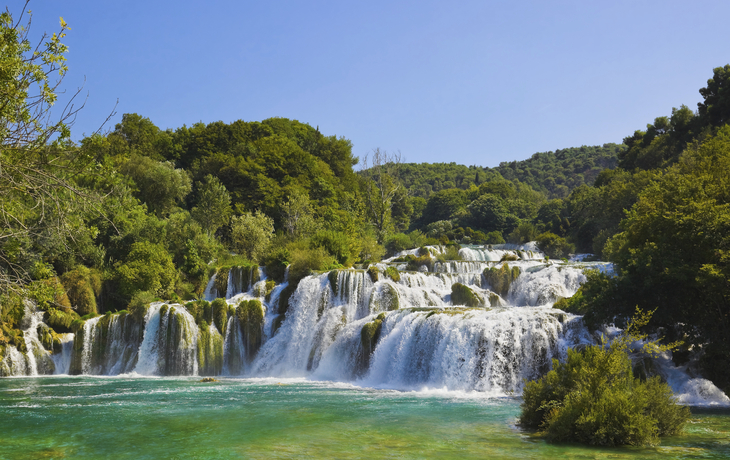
127 417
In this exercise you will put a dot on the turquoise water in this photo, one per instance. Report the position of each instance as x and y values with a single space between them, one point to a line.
97 417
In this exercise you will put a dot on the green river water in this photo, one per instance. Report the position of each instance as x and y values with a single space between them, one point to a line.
116 417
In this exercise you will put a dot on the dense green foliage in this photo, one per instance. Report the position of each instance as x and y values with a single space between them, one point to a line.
663 219
594 398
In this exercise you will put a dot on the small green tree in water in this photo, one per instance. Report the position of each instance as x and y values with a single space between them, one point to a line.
593 398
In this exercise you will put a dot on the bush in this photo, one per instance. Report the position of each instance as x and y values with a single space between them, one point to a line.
148 267
593 398
500 279
338 244
554 246
494 237
306 261
276 262
397 242
141 300
392 273
251 234
415 263
82 287
463 295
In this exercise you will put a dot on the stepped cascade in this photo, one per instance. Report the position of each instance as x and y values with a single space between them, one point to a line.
484 323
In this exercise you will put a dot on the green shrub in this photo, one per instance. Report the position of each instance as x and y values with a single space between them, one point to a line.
276 262
60 321
494 237
392 273
463 295
80 284
593 398
554 246
338 244
500 279
306 261
415 263
141 300
397 242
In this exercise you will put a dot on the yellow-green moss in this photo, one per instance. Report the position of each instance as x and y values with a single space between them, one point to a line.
500 279
392 273
250 315
80 286
221 281
374 273
463 295
219 310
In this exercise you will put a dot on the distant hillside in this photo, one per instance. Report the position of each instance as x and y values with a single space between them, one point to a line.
553 173
557 173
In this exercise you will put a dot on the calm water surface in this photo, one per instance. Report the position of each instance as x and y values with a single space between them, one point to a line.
97 417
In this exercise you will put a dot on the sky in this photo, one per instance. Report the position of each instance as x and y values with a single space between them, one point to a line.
471 82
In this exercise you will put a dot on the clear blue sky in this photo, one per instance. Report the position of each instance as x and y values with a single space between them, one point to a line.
475 82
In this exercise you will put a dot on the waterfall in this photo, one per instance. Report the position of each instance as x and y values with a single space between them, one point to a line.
378 327
170 342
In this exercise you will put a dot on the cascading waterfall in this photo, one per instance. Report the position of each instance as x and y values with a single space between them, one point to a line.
371 327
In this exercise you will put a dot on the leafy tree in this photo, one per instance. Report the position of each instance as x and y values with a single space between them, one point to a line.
251 234
488 212
298 218
715 109
213 207
158 184
443 205
36 160
149 268
381 189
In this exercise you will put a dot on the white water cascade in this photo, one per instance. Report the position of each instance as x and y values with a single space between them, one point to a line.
379 327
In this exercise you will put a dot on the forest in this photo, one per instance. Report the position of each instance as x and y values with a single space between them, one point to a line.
139 213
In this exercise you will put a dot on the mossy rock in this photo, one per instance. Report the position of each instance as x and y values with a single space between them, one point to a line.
463 295
277 323
219 313
198 309
221 281
14 337
59 320
250 315
392 273
500 279
374 273
284 297
333 276
384 299
370 334
270 285
210 351
509 258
